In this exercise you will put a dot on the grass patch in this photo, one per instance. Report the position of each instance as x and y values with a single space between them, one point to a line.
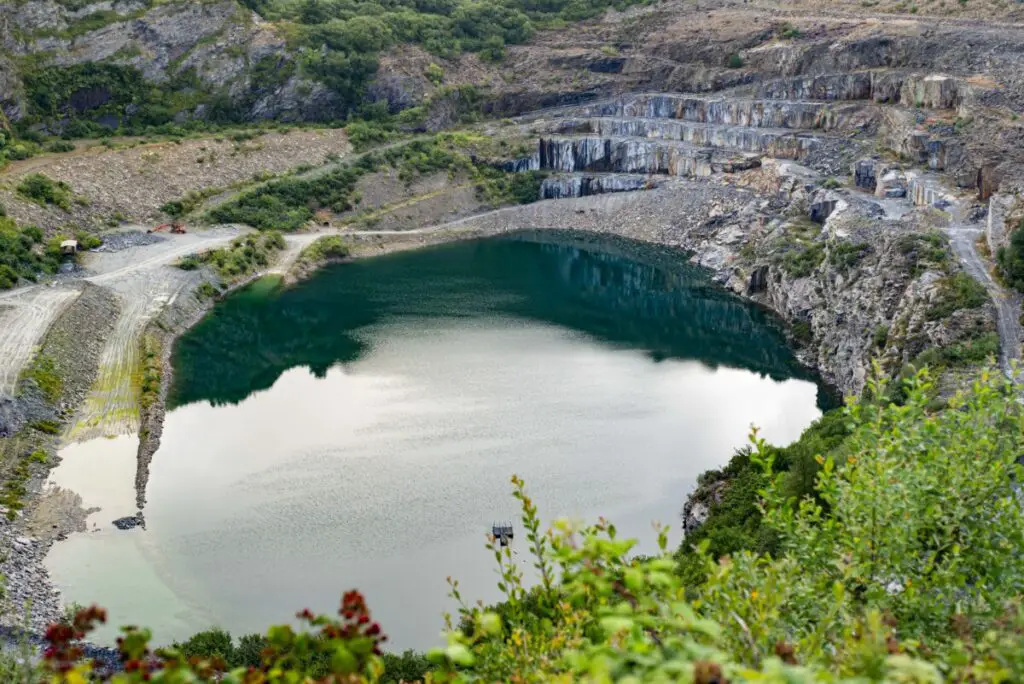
152 370
960 291
43 373
17 456
47 427
44 191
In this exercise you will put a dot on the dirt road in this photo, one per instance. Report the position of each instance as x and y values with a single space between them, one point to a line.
963 239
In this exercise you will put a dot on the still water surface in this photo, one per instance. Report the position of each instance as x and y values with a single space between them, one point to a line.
359 430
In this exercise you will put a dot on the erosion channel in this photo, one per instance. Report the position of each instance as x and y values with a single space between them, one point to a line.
359 429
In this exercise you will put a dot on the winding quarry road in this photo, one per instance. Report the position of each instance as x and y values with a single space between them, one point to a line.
963 240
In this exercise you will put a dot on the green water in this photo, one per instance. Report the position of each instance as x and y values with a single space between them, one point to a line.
360 429
662 306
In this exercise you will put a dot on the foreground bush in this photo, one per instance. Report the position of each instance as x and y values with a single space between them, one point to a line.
903 565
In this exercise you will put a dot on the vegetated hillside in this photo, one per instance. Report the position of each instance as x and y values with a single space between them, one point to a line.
84 67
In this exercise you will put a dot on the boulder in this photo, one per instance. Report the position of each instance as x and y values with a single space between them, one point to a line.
864 174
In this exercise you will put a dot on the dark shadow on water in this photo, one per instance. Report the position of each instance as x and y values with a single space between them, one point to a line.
618 292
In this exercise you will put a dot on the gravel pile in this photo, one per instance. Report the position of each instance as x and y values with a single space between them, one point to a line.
117 242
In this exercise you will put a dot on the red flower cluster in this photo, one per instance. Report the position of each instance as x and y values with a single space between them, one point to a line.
356 622
63 651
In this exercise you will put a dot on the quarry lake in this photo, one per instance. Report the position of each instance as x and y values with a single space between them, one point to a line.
359 430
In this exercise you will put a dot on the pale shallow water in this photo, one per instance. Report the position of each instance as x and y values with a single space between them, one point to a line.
386 472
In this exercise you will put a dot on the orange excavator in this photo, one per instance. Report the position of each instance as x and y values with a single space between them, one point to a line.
175 228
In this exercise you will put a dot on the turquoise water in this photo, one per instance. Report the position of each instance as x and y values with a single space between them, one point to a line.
360 429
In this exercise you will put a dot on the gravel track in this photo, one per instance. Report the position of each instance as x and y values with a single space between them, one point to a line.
963 239
25 316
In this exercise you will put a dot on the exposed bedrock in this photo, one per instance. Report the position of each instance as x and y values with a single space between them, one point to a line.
729 112
775 143
630 155
563 186
932 91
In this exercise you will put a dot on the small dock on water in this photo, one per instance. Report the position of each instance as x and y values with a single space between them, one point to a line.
502 532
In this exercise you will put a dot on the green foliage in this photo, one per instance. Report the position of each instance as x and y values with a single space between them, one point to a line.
434 74
831 184
511 188
801 261
366 134
846 255
151 370
22 254
880 337
47 427
43 190
60 146
97 87
43 373
244 256
207 291
1011 258
802 332
287 204
325 249
972 351
732 495
88 240
789 31
960 291
735 61
925 251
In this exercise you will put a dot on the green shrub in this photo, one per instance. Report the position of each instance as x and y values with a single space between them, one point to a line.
43 190
735 61
800 261
789 31
364 135
846 255
434 74
802 332
207 291
49 427
60 146
327 248
88 240
243 257
960 291
21 255
880 337
1010 259
973 351
925 251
